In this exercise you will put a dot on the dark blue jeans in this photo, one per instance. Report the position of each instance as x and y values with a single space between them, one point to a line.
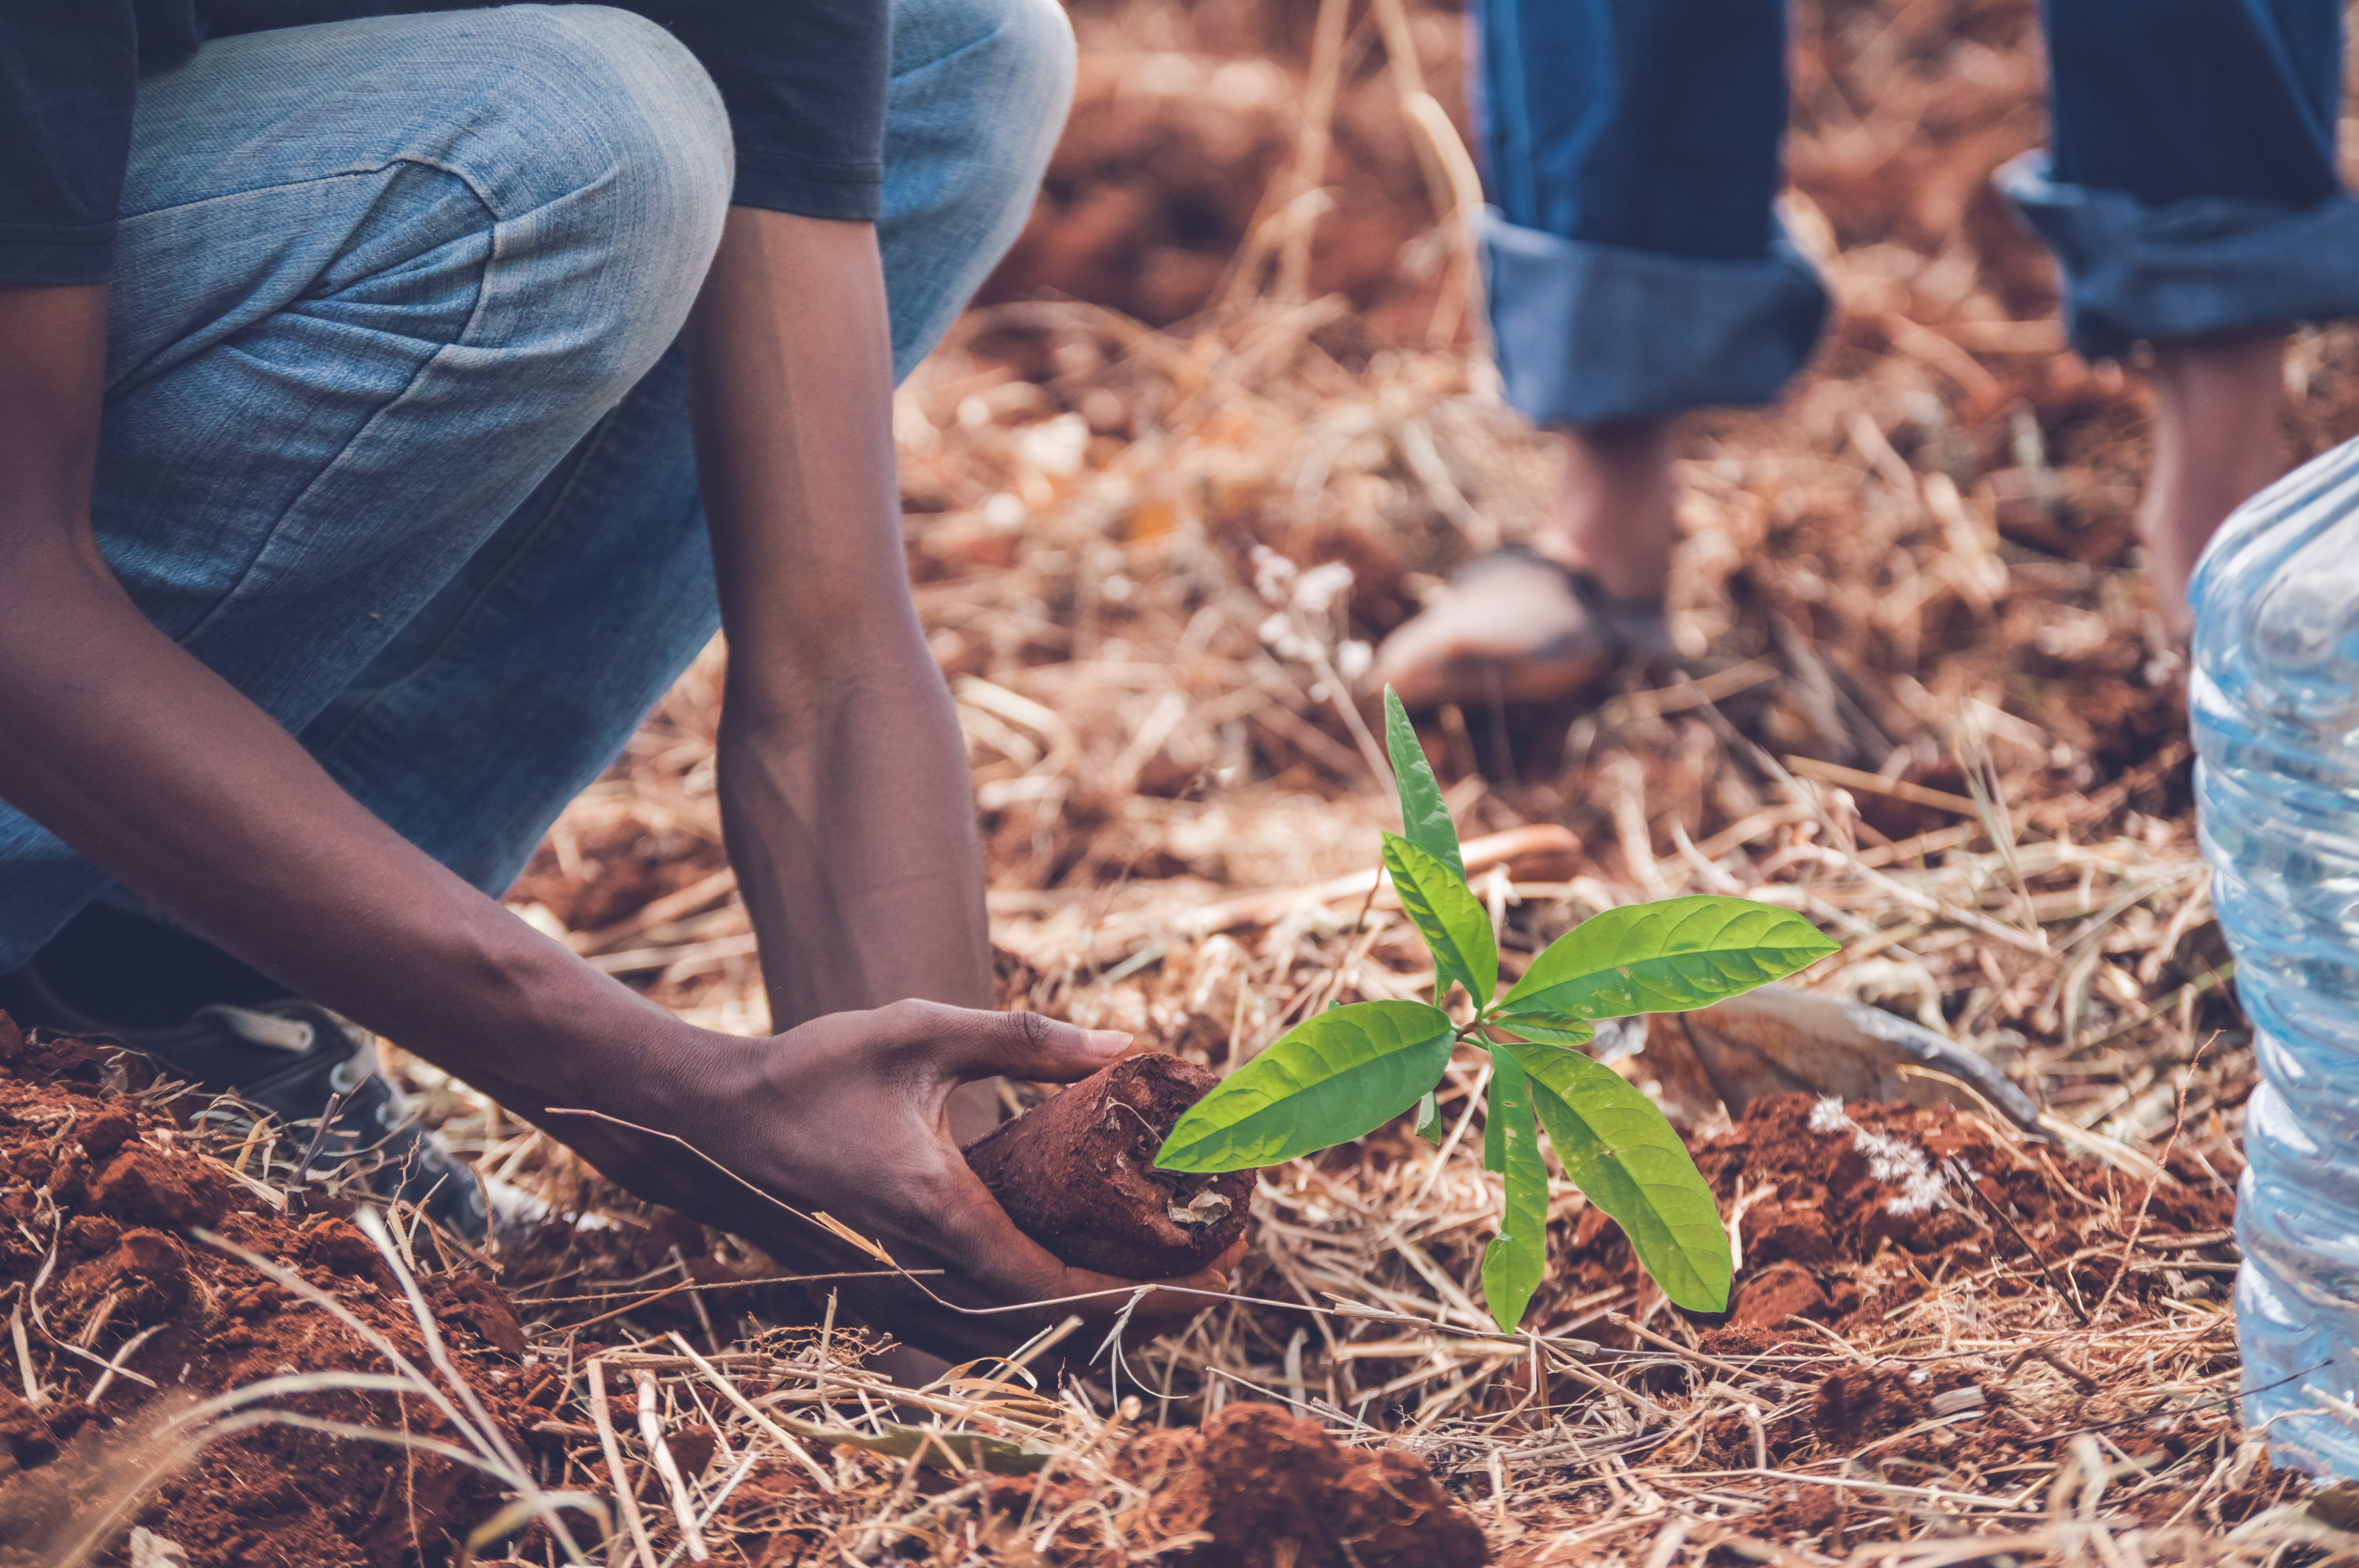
1630 147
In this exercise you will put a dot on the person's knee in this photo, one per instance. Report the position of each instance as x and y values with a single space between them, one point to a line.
1008 66
627 177
1033 46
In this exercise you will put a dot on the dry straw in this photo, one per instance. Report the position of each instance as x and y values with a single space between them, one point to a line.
1924 702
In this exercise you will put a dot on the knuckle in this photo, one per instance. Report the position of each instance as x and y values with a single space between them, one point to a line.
1031 1032
908 1014
913 1027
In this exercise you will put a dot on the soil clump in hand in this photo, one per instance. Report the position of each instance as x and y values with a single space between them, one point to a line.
1078 1176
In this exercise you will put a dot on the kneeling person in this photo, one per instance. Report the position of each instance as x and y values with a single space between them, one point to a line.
394 406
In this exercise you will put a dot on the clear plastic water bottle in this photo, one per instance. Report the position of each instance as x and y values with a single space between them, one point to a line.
2275 703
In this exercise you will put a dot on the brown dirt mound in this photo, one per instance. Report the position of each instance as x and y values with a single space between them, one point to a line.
1077 1174
1865 1227
1270 1489
98 1184
1827 1189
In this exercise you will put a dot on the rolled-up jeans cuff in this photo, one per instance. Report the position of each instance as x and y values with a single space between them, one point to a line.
2188 269
1587 333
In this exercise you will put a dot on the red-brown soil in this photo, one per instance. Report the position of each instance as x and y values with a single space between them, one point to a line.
1828 1189
1978 1219
96 1167
1272 1489
98 1182
1078 1176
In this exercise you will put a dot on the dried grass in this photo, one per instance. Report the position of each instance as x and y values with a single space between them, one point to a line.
1927 703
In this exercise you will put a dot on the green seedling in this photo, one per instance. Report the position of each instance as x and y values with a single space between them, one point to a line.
1348 1071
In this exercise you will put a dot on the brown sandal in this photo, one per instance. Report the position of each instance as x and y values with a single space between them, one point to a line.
1446 654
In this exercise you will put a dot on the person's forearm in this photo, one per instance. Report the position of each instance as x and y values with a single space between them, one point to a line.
126 747
844 775
129 749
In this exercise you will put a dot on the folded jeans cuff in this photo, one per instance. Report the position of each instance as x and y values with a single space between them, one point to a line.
1587 333
2186 268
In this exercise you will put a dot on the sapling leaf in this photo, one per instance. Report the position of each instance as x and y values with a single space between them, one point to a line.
1425 820
1429 1118
1554 1029
1619 1149
1672 956
1517 1260
1455 925
1328 1080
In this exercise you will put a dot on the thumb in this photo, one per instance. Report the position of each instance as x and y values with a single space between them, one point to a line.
965 1044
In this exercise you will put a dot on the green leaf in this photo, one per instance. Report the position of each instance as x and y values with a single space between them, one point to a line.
1552 1028
1429 1118
1618 1148
1331 1079
1517 1260
1670 955
1425 821
1456 927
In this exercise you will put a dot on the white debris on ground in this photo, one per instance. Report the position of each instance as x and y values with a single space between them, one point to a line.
1895 1162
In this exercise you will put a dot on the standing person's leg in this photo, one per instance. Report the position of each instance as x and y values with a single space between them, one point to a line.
2191 198
1636 271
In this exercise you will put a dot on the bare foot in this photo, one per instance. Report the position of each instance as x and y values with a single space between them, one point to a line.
1517 628
2216 441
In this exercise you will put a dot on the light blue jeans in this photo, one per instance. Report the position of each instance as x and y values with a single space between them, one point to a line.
395 435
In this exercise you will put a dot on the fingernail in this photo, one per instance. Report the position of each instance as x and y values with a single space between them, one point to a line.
1108 1042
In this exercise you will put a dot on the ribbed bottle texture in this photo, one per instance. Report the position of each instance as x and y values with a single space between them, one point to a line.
2275 704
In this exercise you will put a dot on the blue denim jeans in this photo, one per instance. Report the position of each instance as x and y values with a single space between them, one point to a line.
395 435
1630 150
2191 185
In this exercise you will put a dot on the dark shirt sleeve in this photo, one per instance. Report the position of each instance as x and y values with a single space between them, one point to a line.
804 81
67 75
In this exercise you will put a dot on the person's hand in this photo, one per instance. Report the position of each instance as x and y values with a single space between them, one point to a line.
847 1115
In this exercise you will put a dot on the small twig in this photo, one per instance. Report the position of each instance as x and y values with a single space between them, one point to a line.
2072 1297
683 1507
2080 1381
647 1297
784 1439
2162 1164
625 1308
106 1379
744 1468
302 1172
95 1324
603 1418
1845 1345
33 1394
